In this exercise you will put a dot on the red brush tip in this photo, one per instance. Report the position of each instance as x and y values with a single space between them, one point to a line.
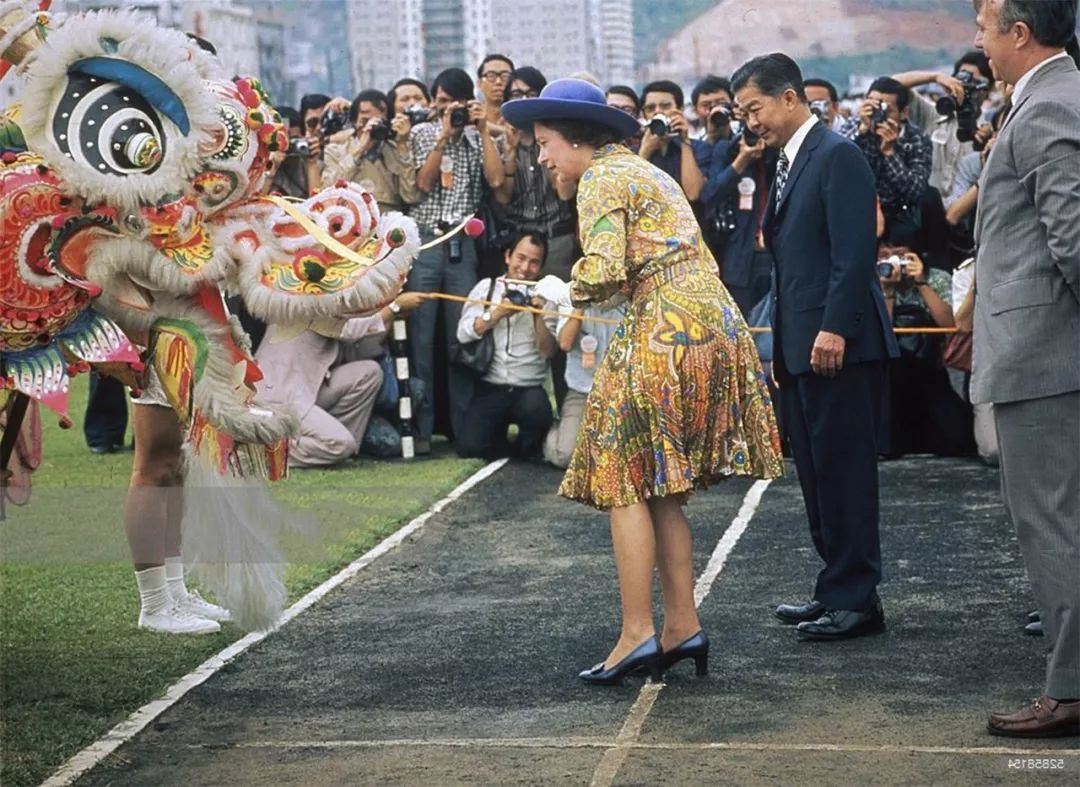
474 227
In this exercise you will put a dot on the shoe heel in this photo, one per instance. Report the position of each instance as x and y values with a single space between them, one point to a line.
656 673
701 665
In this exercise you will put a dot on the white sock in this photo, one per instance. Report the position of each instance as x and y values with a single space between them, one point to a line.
174 577
153 593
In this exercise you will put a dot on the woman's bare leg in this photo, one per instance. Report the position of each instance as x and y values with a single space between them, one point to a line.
675 559
634 544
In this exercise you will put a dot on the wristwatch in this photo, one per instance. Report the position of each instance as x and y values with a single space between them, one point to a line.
394 308
486 317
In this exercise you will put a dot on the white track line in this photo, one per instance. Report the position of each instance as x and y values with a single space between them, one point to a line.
137 721
606 743
613 759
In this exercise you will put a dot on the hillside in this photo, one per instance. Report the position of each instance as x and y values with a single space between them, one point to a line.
832 38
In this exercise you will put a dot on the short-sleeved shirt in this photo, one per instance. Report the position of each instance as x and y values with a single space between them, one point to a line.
449 206
939 281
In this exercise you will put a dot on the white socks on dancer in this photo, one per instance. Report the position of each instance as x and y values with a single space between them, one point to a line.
190 600
159 612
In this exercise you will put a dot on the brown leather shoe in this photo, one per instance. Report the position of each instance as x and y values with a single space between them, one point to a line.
1045 717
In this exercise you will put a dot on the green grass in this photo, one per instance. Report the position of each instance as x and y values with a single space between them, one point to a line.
72 662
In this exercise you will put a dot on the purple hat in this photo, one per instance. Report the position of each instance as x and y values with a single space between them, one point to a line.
570 99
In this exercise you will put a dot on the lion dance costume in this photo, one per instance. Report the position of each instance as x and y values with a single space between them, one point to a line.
130 201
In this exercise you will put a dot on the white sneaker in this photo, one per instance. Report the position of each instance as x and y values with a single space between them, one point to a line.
174 620
197 605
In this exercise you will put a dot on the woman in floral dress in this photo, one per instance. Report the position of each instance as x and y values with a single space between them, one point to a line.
679 401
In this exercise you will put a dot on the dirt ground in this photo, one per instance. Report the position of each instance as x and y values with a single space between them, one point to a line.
452 660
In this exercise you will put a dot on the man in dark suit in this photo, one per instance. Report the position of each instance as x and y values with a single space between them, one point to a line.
831 338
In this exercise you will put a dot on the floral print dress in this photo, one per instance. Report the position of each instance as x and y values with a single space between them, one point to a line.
679 400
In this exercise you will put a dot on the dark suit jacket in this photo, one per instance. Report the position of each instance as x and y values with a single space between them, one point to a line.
823 237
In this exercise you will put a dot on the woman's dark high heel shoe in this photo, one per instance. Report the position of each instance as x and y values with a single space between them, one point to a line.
696 648
645 656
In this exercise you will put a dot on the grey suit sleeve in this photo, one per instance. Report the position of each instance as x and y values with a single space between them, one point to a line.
1047 157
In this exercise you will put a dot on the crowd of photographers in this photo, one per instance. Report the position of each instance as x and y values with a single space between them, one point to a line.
441 153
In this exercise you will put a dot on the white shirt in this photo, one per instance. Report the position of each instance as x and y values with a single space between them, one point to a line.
578 378
1023 81
794 145
516 361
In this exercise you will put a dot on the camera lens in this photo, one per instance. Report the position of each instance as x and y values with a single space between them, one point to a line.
750 137
885 269
459 117
381 132
660 126
517 297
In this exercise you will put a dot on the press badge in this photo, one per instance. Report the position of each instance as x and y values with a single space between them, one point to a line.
747 187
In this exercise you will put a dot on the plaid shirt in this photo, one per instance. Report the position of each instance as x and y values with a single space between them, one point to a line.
462 199
901 177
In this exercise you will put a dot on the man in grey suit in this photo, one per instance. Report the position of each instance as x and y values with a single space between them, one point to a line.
1027 328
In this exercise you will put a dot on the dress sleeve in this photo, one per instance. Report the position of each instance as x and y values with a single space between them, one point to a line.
602 216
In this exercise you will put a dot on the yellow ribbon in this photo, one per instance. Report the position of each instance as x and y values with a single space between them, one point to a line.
321 235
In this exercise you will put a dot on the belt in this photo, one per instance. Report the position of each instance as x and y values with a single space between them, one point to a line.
663 276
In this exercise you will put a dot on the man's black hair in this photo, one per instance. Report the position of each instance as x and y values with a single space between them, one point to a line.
977 58
532 77
455 83
664 86
376 97
891 87
537 237
814 82
488 58
772 74
391 95
311 101
709 84
626 90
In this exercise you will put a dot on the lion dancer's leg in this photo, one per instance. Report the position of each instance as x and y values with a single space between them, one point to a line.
152 515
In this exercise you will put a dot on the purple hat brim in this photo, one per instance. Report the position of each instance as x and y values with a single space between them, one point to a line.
523 112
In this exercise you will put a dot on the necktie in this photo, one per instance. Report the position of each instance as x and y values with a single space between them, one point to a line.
781 176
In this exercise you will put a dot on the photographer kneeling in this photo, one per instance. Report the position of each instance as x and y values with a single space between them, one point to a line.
511 388
925 413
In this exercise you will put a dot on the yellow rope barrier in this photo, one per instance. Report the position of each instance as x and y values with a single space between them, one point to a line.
607 321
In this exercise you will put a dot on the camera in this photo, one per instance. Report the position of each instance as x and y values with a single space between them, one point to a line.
660 125
518 294
721 116
299 147
879 115
417 114
820 109
459 117
381 131
966 112
889 265
332 122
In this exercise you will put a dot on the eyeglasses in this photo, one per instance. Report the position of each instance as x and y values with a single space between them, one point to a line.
312 123
627 108
524 94
495 76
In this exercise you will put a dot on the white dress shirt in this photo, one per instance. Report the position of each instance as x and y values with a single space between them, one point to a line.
794 145
1023 81
517 362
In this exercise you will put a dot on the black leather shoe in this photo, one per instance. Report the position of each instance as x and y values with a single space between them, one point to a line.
797 613
843 624
646 655
696 648
1033 616
1034 628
